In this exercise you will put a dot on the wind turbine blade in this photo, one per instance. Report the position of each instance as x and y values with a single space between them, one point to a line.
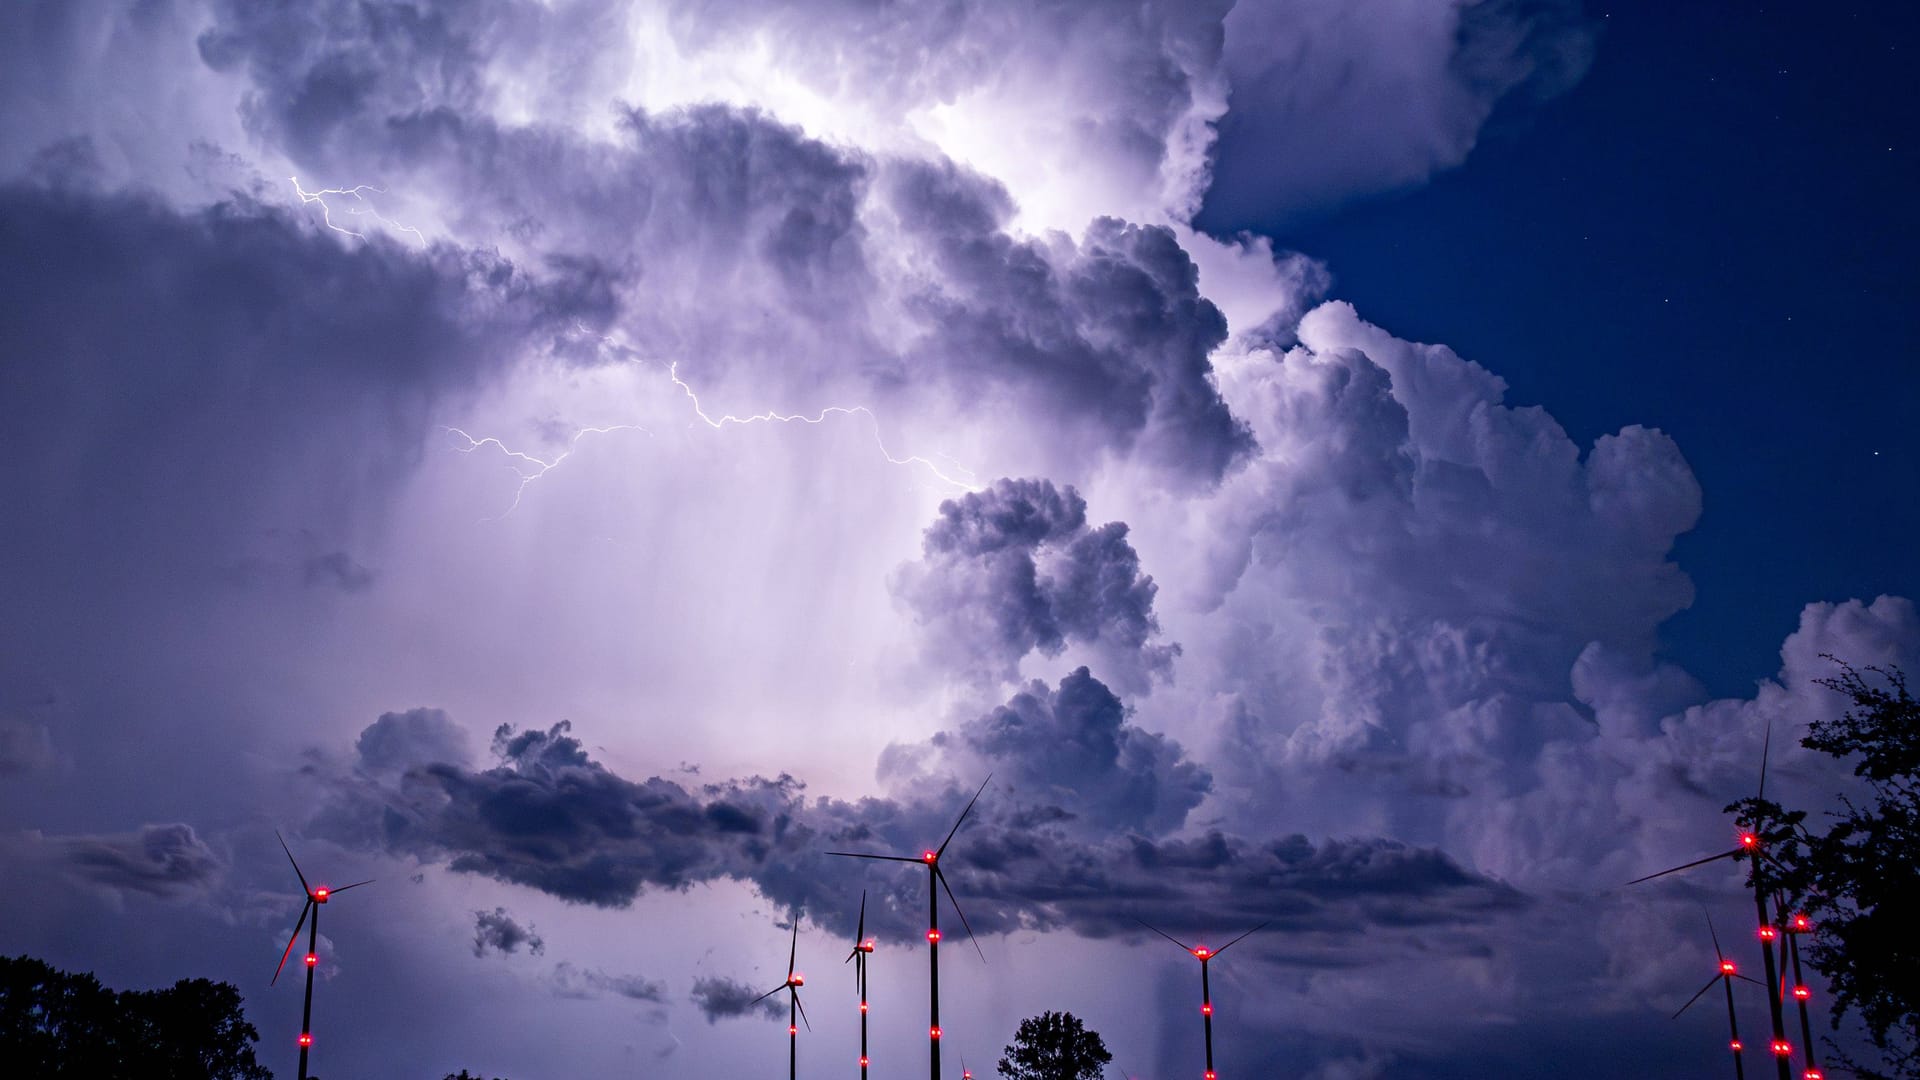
942 878
1696 997
864 855
1754 981
1242 937
860 932
1183 945
942 849
296 866
1718 955
304 908
794 949
803 1011
767 995
1687 866
355 885
1766 750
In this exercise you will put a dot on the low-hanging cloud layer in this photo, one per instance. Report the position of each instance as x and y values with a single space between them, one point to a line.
825 406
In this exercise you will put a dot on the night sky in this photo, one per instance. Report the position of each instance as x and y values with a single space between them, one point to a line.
1375 467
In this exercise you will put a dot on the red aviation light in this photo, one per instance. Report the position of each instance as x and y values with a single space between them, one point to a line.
1736 1045
1813 1074
792 1030
863 1006
867 945
933 937
929 856
933 1032
320 895
1207 1009
1782 1048
1211 1076
312 959
1203 952
306 1039
796 979
1748 840
1801 923
863 1062
1726 967
1802 993
1768 933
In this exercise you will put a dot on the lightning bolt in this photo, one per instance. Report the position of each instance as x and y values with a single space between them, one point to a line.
529 468
537 467
359 194
718 423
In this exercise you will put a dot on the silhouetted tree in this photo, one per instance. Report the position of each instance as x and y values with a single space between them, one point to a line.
1054 1046
1860 880
55 1024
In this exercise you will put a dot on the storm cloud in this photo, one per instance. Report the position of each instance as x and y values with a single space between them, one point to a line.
1015 569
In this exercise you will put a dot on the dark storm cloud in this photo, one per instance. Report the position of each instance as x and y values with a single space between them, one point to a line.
501 932
1073 748
158 860
337 570
1014 569
551 818
398 741
569 981
720 998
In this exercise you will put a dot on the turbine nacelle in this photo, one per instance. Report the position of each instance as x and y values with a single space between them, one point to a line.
866 946
320 895
796 980
1203 952
1726 967
929 857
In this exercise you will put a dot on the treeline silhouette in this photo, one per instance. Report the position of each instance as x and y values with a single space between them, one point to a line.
56 1024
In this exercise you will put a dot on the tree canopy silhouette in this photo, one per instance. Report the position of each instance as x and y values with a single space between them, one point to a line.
55 1024
1054 1046
1860 879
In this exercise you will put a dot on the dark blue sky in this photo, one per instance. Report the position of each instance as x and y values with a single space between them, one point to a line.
1714 233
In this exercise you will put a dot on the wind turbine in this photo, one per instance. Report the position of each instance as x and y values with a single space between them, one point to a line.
1751 847
792 986
862 948
315 897
1726 975
1205 956
1795 926
931 859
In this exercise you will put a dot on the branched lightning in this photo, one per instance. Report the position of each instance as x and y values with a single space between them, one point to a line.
536 467
530 468
363 209
717 423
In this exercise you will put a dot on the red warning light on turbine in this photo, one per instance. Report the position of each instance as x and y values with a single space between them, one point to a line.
1768 933
1813 1074
1801 923
1782 1048
1211 1075
792 1030
306 1039
863 1006
312 959
933 936
863 1062
1802 993
929 856
797 979
1207 1009
1203 952
1735 1044
1726 967
934 1032
1748 840
867 945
